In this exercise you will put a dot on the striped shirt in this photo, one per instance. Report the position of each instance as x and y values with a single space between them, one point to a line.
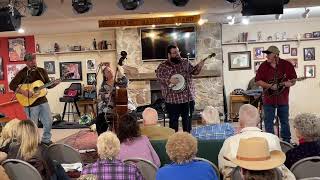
167 69
213 131
113 170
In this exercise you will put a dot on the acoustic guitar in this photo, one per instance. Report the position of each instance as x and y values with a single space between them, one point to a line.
281 88
181 85
38 88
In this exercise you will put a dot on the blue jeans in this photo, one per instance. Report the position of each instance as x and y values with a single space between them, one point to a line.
42 112
283 114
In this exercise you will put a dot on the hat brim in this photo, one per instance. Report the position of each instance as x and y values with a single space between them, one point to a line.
277 158
267 52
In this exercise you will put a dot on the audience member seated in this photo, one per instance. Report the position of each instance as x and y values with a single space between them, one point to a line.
181 148
307 129
3 174
256 160
88 177
108 167
7 135
27 148
133 144
212 128
150 127
249 119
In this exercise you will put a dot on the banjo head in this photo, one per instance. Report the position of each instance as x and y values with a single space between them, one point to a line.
181 85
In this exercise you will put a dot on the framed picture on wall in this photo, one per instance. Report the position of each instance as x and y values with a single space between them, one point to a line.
12 71
239 60
49 66
91 78
286 49
71 71
17 49
257 65
309 54
294 51
294 62
1 69
258 53
310 71
91 65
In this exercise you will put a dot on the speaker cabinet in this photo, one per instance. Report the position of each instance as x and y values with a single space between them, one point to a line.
260 7
9 22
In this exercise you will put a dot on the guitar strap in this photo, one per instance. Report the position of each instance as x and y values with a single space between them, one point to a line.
43 79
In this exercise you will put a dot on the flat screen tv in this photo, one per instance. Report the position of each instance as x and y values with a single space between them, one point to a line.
154 42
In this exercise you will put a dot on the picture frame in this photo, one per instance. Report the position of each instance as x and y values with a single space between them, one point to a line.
286 49
293 61
310 71
309 54
1 69
17 49
258 54
91 78
316 34
71 71
49 66
257 65
294 51
239 60
91 65
307 35
12 71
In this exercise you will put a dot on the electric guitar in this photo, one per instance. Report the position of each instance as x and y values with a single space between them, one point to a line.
281 88
38 89
181 85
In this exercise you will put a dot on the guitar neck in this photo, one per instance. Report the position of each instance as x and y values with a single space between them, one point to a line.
49 84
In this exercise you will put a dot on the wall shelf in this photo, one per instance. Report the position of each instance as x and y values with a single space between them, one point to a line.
259 42
75 52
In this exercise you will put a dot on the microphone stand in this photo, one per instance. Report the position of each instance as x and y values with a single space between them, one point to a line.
277 82
188 89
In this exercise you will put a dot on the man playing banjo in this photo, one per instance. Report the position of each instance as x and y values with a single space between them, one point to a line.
175 77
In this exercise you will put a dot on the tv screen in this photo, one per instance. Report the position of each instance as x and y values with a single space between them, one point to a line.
154 42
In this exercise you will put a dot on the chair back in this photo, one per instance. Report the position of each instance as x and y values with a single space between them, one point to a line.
147 168
236 174
64 154
285 146
306 168
212 164
20 170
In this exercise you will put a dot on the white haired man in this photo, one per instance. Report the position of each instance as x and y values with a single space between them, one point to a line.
212 128
249 119
150 127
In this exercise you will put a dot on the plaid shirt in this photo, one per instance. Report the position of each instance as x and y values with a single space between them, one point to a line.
213 131
113 170
164 72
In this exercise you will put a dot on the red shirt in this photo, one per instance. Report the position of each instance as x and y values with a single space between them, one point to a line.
164 72
266 73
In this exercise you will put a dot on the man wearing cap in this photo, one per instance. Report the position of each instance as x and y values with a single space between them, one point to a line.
40 108
271 74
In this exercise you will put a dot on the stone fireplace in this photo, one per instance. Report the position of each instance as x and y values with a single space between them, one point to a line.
144 89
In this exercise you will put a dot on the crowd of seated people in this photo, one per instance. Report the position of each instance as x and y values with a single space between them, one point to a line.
250 154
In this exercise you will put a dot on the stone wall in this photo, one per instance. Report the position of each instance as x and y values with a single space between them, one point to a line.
208 90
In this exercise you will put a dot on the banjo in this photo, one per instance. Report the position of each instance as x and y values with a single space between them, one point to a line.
181 85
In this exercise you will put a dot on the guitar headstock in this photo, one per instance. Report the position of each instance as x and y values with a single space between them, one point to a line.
212 55
301 78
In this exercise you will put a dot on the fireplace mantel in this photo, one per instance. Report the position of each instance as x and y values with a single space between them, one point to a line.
152 76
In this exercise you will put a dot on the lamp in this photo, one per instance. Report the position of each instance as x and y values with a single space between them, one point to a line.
81 6
36 7
180 3
130 4
306 13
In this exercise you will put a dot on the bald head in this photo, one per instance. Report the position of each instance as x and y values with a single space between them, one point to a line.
248 116
150 116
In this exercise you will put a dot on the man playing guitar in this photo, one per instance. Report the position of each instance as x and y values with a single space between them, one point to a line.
178 102
271 75
40 108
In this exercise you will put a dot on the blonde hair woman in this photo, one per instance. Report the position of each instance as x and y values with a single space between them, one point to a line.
8 134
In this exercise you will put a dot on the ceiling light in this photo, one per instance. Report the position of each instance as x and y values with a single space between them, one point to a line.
229 17
245 20
180 3
187 35
21 30
178 24
36 7
278 16
153 26
81 6
232 21
306 13
202 21
130 4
